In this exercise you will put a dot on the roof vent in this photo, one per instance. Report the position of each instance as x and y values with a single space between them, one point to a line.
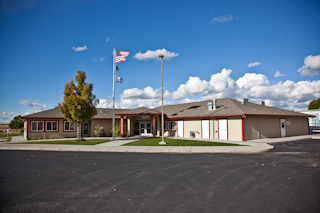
245 100
101 111
212 105
263 103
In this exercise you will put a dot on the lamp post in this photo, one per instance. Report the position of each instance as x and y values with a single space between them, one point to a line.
162 116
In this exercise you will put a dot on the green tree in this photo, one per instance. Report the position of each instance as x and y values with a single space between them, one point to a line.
78 103
15 123
315 104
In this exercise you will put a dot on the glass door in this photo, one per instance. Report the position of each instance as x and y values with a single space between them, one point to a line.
145 128
85 129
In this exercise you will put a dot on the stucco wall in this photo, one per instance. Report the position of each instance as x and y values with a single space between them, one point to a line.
234 129
192 125
215 129
51 134
211 129
269 127
261 127
298 126
25 129
107 125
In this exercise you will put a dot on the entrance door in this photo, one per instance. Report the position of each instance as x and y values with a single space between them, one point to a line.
180 129
223 132
145 128
85 130
283 127
205 129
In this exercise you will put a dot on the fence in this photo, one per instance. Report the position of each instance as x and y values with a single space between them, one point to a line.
314 126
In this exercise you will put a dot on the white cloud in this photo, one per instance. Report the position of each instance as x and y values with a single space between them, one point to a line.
220 85
5 117
109 39
279 74
252 79
289 95
193 87
34 104
146 93
99 59
131 103
311 66
223 19
154 54
80 48
254 64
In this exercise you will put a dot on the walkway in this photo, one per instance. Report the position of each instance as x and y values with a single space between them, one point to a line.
253 146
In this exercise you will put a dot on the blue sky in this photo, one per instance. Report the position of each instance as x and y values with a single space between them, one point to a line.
208 47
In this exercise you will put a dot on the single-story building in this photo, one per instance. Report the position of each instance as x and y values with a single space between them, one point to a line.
314 121
223 119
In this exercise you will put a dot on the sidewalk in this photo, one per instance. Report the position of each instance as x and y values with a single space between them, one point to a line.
253 146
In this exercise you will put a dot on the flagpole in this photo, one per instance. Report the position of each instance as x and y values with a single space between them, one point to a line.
114 65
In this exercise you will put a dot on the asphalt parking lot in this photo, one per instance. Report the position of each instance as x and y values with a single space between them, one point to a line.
285 179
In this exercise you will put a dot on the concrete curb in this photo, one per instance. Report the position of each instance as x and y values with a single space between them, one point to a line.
252 147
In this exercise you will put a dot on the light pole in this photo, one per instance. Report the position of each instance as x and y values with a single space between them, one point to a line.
162 116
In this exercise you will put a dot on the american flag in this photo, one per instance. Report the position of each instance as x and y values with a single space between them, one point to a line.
118 79
121 56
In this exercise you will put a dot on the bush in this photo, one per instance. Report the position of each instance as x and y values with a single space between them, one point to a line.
45 138
98 130
116 131
39 138
33 138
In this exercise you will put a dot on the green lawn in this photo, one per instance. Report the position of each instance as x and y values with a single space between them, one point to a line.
10 134
70 142
176 142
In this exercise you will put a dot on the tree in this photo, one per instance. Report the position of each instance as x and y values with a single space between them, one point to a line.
15 123
78 103
315 104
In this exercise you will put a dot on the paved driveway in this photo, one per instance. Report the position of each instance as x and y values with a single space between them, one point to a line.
285 179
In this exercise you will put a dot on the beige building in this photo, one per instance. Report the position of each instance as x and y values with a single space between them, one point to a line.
223 119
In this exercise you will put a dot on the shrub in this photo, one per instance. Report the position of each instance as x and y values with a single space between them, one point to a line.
98 131
33 138
116 131
51 137
39 138
45 138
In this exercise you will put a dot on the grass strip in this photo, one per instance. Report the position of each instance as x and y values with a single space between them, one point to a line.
176 142
10 134
70 142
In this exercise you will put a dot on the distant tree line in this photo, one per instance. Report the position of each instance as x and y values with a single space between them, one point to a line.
315 104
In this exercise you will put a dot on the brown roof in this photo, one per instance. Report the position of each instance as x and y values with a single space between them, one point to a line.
225 107
139 111
102 113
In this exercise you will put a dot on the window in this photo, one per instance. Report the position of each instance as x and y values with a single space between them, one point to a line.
69 126
52 126
170 125
36 126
